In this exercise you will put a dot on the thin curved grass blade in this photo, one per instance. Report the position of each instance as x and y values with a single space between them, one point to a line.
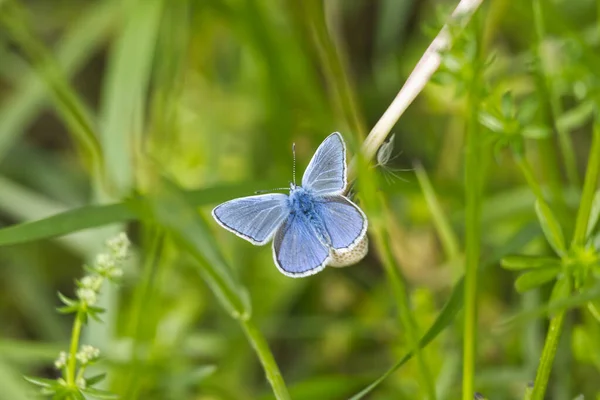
455 303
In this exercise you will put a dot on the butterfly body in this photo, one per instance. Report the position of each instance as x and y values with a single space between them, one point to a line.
312 225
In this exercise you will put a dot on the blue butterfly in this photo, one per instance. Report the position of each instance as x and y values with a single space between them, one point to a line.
308 227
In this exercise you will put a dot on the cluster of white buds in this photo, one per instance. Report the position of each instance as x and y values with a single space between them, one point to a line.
106 266
61 361
87 295
80 382
119 246
92 282
87 354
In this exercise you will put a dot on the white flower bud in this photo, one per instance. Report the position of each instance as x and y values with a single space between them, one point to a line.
61 361
105 261
93 282
87 295
87 354
80 382
119 246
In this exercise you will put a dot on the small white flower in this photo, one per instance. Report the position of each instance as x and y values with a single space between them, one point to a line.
61 361
115 273
105 261
80 382
93 282
87 354
87 295
119 246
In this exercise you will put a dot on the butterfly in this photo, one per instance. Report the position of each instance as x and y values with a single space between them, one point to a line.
315 225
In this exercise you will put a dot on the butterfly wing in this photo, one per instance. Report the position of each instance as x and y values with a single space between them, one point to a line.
326 172
297 250
344 221
254 218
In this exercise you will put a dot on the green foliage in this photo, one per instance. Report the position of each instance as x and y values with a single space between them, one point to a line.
141 115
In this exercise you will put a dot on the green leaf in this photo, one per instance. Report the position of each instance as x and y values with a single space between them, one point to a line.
563 302
99 394
491 122
560 291
42 382
536 132
551 228
77 395
508 105
533 279
67 301
95 379
68 309
519 262
594 214
93 216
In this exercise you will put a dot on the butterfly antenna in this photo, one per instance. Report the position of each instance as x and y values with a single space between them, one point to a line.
294 164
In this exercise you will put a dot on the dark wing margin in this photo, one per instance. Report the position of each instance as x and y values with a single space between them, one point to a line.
326 172
344 221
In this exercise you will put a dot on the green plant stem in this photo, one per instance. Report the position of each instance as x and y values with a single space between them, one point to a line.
75 335
547 359
472 234
400 293
589 188
333 61
530 178
266 358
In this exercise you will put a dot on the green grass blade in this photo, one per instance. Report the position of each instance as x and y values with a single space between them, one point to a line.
126 87
98 215
22 203
68 104
454 304
447 236
78 45
193 234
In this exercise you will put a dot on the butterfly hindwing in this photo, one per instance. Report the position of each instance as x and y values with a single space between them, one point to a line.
297 250
254 218
345 223
326 172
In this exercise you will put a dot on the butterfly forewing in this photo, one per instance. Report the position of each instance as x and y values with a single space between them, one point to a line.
326 172
296 248
254 218
344 221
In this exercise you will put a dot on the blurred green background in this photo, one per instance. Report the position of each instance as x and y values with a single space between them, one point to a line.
100 101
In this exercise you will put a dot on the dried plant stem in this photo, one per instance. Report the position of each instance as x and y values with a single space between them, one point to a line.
421 74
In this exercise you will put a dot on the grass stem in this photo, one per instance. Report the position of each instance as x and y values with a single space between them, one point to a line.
473 188
266 358
401 297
